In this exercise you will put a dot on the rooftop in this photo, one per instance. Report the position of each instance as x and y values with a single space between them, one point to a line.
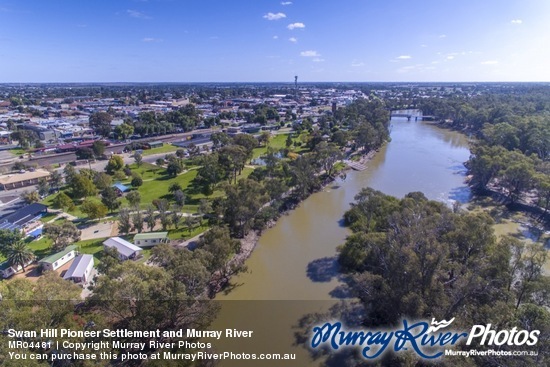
79 265
53 258
122 246
18 177
151 235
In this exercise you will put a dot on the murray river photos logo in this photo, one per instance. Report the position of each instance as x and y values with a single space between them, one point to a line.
429 341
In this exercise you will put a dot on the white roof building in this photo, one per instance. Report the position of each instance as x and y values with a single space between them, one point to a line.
125 249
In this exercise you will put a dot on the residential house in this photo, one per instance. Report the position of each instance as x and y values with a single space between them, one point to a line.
151 239
120 188
81 269
7 270
57 260
125 249
23 218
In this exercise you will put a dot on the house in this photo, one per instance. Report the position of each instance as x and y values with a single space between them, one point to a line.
24 217
22 179
120 188
151 239
125 249
81 269
59 259
7 270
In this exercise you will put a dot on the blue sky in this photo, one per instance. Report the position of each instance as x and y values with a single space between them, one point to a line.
268 40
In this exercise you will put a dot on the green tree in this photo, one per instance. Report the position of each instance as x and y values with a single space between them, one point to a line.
93 209
232 159
150 218
123 131
102 180
63 201
243 201
30 197
116 163
109 198
43 187
100 122
138 221
124 221
137 181
138 158
82 186
134 198
19 254
98 147
61 235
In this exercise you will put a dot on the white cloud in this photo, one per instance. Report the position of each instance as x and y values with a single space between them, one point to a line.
137 14
450 57
275 37
318 59
274 16
423 45
404 57
489 62
442 36
516 21
295 25
309 53
286 3
293 39
357 64
151 39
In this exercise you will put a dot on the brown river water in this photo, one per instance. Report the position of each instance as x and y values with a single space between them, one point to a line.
292 271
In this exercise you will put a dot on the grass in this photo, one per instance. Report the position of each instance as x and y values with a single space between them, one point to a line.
166 148
183 233
49 216
18 151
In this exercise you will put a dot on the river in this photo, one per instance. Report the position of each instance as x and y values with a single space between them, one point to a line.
292 270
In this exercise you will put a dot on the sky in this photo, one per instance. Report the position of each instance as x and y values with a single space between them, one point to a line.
272 41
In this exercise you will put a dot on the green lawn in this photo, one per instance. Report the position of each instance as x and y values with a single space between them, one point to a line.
46 218
166 148
183 233
18 151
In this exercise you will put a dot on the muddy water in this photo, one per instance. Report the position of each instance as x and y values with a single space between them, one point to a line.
292 270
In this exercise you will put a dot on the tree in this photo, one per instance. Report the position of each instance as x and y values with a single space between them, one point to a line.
93 209
109 198
30 197
326 155
220 139
138 221
123 131
124 223
264 138
70 173
134 198
137 181
179 198
174 187
43 187
218 242
100 122
232 158
82 186
102 180
288 141
174 168
64 202
8 238
243 202
150 218
98 147
56 180
84 153
116 163
246 141
19 254
138 158
61 235
209 174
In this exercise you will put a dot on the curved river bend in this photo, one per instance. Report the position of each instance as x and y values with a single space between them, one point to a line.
289 271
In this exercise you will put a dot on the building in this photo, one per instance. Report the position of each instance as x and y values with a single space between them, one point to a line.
120 188
81 269
22 179
7 270
23 218
126 250
151 239
155 144
57 260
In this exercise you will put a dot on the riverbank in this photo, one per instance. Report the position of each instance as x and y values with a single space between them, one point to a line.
251 240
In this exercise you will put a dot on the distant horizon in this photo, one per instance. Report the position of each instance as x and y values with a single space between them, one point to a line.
282 82
214 41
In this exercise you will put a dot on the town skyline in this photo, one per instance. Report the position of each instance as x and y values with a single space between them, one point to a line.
159 41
